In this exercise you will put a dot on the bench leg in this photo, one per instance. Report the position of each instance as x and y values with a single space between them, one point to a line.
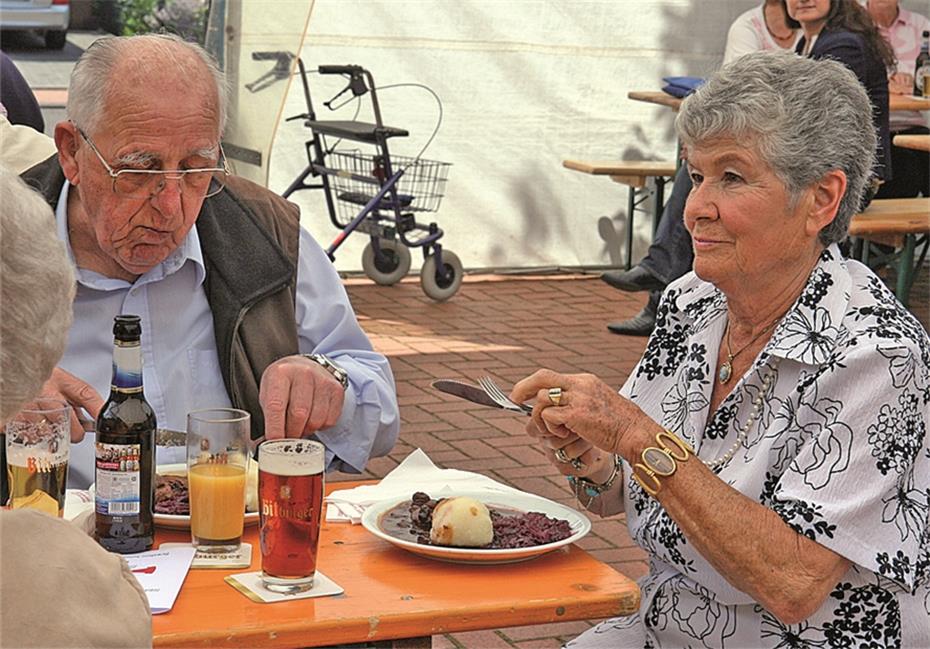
658 205
906 269
631 207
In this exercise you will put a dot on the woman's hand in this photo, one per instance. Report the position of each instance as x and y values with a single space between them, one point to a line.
901 83
584 460
589 409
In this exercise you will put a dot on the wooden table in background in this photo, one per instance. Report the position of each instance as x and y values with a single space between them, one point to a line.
390 594
919 142
895 102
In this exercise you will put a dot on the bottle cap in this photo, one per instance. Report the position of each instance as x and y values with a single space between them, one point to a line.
127 327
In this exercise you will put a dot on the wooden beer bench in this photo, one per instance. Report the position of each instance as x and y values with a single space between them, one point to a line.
903 223
634 174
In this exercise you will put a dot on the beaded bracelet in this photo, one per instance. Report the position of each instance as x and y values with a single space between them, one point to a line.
661 461
593 489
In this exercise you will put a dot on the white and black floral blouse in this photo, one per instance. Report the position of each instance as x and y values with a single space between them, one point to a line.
839 451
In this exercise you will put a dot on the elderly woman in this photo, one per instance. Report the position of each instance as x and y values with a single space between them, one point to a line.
59 588
770 448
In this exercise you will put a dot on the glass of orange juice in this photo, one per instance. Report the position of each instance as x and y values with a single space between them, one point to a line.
217 466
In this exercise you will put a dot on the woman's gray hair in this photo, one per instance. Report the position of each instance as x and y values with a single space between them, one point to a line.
36 289
92 76
802 116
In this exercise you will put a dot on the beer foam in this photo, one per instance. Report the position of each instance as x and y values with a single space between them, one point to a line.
291 457
19 456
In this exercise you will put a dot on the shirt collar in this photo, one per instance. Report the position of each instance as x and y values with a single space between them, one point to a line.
810 330
188 251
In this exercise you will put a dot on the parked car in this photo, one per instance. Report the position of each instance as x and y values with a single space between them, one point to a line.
51 17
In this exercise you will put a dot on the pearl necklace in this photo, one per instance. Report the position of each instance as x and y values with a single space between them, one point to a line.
750 420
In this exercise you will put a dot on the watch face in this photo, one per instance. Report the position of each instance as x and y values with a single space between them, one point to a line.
659 461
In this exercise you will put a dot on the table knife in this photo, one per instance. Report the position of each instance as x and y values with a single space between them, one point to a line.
466 391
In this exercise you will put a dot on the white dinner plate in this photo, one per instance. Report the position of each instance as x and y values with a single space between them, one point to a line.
523 502
176 521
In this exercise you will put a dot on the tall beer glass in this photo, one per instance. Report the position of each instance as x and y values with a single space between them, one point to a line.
290 492
38 441
217 465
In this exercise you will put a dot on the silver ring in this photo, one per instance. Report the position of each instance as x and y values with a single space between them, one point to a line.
577 464
555 396
561 457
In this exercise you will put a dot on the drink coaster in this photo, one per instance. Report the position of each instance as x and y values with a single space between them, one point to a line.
250 585
241 558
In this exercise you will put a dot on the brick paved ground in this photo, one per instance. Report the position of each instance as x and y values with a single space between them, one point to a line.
506 326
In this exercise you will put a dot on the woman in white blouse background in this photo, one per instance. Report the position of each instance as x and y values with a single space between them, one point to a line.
770 449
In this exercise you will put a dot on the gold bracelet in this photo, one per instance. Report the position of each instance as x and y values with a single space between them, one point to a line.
661 461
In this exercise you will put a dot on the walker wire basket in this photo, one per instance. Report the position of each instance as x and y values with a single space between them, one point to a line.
420 189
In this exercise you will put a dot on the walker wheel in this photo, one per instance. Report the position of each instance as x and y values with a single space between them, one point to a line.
392 265
441 285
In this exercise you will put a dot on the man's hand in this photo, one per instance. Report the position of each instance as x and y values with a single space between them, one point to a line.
67 387
299 397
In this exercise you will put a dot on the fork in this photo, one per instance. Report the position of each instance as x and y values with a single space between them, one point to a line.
497 395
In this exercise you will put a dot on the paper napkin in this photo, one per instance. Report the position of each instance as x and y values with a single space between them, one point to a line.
160 573
416 473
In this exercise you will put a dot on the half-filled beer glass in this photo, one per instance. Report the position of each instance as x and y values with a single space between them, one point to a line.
38 442
217 466
290 492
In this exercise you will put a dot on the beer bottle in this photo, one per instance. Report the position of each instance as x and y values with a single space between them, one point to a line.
125 427
922 69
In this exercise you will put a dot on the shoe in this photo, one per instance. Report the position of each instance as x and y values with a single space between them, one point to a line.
640 324
633 280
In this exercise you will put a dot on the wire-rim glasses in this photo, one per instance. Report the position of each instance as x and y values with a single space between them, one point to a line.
146 183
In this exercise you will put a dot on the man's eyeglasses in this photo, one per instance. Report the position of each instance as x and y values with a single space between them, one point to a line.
145 183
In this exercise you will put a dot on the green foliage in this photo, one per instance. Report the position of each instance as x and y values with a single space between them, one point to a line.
134 14
186 18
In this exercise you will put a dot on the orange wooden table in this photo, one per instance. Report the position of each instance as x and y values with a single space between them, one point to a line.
391 593
895 102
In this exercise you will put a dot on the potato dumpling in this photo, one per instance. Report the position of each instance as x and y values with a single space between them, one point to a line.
462 522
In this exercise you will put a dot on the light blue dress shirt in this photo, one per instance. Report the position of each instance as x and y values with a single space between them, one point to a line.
181 370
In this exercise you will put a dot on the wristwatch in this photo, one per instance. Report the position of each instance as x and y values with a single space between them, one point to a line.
338 373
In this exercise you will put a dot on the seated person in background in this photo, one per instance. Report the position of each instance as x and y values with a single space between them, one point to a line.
765 27
771 448
239 305
903 30
841 30
59 588
17 97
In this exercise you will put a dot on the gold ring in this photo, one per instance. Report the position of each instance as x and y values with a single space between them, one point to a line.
561 457
555 396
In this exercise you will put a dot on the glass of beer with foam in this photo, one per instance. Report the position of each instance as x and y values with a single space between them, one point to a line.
290 493
38 442
217 466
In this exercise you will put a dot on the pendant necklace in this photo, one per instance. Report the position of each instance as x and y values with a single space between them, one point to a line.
725 373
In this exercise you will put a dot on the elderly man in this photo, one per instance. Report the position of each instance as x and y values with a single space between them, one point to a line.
244 309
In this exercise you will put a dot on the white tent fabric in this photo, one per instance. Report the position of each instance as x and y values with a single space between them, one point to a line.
524 84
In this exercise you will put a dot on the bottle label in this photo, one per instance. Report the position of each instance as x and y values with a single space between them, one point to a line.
118 479
127 367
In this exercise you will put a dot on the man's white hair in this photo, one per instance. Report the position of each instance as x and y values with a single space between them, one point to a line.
36 290
92 78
